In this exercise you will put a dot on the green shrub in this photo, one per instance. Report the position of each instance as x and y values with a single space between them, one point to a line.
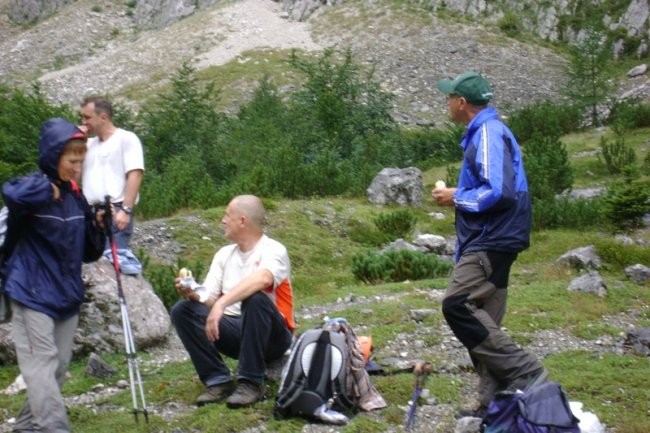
428 147
396 224
617 154
510 24
620 256
161 277
547 166
564 212
545 119
183 183
627 201
393 266
365 234
629 114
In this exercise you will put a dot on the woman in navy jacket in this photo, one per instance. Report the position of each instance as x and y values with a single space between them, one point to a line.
43 273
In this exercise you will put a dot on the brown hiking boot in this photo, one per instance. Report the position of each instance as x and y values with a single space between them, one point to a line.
215 393
246 394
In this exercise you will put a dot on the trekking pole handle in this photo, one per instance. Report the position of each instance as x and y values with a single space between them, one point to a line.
422 368
108 216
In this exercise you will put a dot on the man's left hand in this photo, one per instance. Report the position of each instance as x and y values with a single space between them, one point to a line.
212 323
122 219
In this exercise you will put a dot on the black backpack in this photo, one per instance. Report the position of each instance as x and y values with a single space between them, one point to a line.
8 239
315 376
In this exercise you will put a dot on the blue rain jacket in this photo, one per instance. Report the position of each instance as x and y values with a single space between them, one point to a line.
493 210
44 271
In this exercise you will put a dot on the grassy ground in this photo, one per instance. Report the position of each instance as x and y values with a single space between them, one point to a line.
322 235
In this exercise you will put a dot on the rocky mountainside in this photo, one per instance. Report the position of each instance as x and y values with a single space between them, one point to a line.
104 46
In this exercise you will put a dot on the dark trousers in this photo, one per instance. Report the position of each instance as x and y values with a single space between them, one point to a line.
474 305
257 337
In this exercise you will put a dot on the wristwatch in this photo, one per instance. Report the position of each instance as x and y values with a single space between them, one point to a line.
127 210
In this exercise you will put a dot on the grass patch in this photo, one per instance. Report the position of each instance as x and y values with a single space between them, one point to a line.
608 385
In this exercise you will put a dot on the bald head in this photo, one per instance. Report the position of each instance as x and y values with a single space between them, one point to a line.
250 206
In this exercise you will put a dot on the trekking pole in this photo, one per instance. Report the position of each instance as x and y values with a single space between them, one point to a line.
421 370
131 356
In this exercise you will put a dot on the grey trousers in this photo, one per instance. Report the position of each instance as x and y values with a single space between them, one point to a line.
44 348
474 306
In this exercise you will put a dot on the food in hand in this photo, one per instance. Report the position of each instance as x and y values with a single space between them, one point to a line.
440 184
184 273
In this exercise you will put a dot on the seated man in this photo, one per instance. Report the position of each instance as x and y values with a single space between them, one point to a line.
247 313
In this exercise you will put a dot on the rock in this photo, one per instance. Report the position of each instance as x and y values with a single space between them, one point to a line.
637 70
401 244
468 424
591 282
97 367
100 319
161 13
434 243
639 340
581 258
421 314
17 386
397 186
638 273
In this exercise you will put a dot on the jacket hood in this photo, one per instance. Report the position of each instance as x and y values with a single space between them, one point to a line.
55 133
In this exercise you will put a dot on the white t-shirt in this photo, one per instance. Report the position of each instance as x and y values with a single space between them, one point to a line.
107 163
230 265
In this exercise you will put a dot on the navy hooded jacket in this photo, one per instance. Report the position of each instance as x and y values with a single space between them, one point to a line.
44 270
493 210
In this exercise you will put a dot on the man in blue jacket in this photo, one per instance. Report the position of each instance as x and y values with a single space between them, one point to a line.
43 273
493 217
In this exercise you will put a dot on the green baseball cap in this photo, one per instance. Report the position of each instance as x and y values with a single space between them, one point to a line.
470 85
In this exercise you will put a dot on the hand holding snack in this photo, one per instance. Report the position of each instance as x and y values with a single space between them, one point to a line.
190 288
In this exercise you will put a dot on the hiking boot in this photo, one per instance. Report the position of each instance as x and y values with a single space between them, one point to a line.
480 412
215 393
246 394
527 381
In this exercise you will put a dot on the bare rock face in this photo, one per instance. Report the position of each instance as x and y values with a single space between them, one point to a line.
161 13
397 186
100 321
30 11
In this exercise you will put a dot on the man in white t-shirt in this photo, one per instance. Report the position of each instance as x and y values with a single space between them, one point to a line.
114 166
244 311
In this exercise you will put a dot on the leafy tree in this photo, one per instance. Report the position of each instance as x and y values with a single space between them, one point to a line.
184 119
627 200
547 166
21 116
589 76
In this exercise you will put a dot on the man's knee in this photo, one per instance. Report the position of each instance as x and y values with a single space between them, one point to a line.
460 318
179 312
255 302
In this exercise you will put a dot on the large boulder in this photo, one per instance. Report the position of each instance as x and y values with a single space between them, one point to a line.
100 320
581 258
402 186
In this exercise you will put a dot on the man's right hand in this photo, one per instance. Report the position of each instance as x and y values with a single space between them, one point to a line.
186 292
443 196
